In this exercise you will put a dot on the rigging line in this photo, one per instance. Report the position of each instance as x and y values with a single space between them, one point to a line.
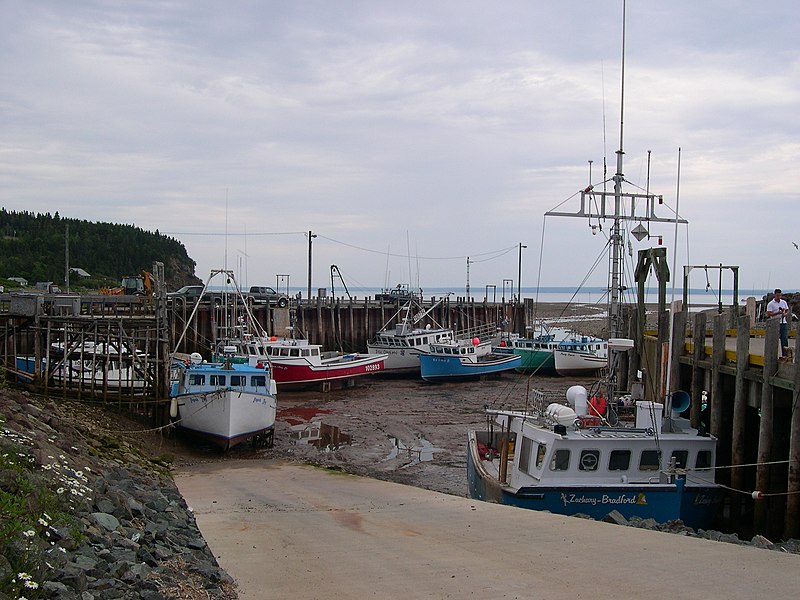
560 204
498 253
597 262
539 275
756 464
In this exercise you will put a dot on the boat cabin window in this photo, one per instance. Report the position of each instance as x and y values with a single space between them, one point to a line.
650 460
195 379
589 460
284 352
703 459
540 454
525 454
620 460
560 460
217 380
681 458
294 352
258 381
238 380
315 352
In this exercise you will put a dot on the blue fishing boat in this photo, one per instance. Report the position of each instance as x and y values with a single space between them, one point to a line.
464 359
565 460
224 402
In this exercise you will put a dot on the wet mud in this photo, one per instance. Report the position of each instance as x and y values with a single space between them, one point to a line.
396 429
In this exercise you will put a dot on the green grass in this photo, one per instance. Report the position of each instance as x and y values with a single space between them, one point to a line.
35 504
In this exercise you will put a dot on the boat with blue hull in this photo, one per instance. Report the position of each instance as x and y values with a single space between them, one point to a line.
464 359
570 462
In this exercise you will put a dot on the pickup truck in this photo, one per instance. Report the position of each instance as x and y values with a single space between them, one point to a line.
262 294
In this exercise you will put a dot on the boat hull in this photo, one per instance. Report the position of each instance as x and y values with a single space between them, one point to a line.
434 367
568 363
301 372
227 417
541 361
398 360
696 506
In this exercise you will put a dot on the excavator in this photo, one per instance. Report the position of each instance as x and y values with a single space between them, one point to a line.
132 285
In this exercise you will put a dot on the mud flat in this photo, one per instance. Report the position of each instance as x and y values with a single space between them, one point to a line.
396 429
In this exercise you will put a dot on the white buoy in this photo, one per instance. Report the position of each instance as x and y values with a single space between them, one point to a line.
173 408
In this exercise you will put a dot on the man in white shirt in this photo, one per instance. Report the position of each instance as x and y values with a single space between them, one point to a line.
778 307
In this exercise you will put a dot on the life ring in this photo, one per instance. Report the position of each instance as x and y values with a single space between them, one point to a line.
589 462
597 406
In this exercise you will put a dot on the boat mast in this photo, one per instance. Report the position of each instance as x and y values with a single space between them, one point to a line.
617 254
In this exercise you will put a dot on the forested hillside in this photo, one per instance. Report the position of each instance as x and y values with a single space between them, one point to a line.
34 246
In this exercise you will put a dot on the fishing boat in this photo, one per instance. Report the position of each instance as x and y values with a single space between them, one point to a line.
224 402
464 359
580 355
593 453
297 363
90 364
403 340
563 459
537 353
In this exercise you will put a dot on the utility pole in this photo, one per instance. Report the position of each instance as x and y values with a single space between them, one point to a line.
310 237
519 274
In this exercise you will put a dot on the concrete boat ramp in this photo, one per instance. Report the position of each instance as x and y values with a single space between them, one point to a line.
292 531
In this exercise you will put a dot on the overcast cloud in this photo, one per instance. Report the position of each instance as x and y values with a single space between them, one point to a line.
438 130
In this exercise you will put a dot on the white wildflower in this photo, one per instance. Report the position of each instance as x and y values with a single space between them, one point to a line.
31 585
29 533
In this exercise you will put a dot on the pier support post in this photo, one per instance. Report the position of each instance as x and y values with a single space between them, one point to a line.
698 377
739 413
765 432
791 528
717 358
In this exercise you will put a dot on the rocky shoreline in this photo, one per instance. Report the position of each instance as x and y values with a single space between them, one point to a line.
111 522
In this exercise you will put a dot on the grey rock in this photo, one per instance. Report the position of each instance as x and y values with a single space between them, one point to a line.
615 517
105 521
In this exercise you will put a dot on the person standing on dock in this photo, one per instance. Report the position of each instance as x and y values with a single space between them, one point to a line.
778 307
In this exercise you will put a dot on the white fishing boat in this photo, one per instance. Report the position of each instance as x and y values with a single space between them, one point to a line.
225 402
89 364
402 339
580 355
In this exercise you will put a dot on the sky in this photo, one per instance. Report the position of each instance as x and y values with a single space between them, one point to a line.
421 142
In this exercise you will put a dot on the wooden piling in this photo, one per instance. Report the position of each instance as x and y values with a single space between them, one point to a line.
698 375
766 432
791 528
737 476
